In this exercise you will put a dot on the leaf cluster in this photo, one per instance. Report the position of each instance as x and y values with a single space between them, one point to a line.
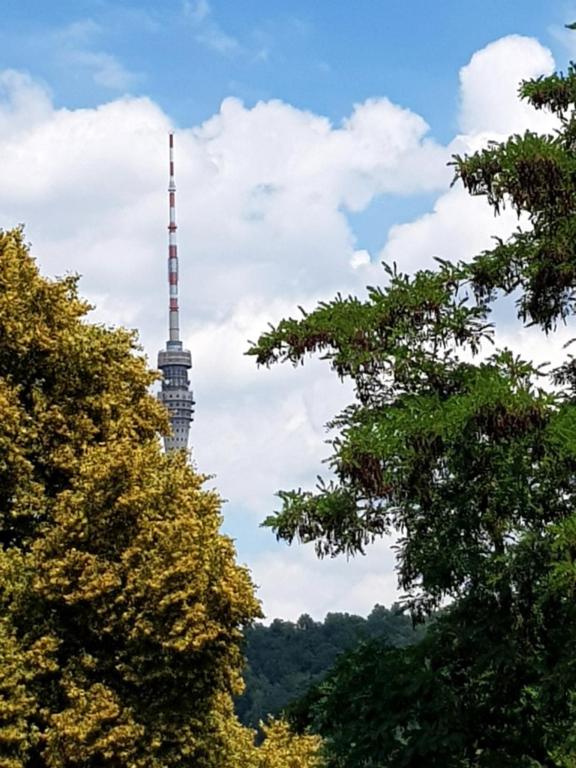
536 176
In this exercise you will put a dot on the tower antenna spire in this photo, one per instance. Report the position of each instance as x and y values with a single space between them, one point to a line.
174 311
174 361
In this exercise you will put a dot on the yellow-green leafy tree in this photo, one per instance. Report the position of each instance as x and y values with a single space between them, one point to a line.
121 604
281 747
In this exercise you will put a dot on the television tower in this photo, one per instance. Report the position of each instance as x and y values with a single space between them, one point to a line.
174 361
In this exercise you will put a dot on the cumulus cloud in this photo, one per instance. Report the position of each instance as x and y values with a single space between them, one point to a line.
489 87
264 195
460 226
292 582
23 103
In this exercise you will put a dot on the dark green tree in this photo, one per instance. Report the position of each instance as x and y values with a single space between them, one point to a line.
285 659
472 460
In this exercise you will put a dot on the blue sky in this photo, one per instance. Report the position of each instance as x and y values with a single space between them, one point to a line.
311 143
323 56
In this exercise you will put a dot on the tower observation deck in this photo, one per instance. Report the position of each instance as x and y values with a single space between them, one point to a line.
175 361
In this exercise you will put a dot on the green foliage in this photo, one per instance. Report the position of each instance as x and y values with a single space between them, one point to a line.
472 460
536 175
280 748
285 659
485 687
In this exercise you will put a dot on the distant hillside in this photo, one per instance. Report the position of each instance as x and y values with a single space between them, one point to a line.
286 658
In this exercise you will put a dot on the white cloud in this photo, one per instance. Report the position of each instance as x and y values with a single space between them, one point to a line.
23 103
262 195
293 581
489 87
360 259
460 226
106 70
532 344
207 31
76 48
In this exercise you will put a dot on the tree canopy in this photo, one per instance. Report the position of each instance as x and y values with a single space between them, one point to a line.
471 457
121 604
284 659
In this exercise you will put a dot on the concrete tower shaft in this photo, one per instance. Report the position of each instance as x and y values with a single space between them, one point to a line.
174 361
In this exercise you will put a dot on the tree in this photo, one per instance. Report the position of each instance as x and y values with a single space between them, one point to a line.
281 748
121 605
284 659
472 459
473 692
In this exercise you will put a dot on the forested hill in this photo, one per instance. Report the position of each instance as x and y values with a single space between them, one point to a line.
286 658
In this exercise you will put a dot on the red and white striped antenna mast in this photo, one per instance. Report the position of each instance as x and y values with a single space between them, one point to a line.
174 361
174 316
